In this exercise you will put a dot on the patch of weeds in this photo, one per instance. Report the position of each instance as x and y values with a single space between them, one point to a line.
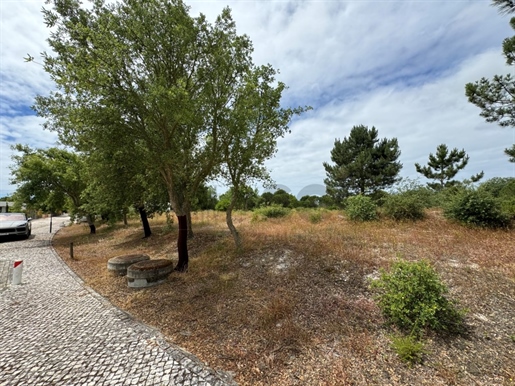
227 281
278 308
412 297
408 348
169 223
315 217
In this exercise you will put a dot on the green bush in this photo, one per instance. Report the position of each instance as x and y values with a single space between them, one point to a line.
379 197
223 204
413 188
504 190
315 216
361 208
476 207
273 211
499 187
412 297
404 206
408 348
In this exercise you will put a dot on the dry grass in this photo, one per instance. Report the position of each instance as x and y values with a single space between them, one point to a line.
295 308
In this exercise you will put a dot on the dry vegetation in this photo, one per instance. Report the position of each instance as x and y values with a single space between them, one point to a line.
295 306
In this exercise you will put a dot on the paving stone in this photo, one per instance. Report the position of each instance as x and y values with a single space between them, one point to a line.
57 331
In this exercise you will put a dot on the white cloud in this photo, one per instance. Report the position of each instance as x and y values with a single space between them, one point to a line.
399 66
421 118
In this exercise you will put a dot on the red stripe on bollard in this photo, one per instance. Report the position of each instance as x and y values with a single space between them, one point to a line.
16 263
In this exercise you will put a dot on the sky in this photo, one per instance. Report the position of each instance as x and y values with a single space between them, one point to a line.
400 66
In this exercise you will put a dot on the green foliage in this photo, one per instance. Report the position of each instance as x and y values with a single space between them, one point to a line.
510 152
315 216
404 206
309 201
50 179
223 202
181 89
279 198
247 199
379 197
328 202
408 348
476 207
285 199
502 189
443 167
499 187
362 164
361 208
496 97
273 211
505 6
205 198
412 297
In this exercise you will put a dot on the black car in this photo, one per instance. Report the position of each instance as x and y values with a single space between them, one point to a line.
15 224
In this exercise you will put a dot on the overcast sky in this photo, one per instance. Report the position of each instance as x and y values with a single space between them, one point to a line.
400 66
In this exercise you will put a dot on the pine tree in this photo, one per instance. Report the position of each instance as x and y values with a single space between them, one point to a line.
444 165
363 164
496 97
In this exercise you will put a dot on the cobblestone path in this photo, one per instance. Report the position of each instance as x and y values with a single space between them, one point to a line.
56 331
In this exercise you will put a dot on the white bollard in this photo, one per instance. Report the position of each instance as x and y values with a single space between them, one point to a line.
17 269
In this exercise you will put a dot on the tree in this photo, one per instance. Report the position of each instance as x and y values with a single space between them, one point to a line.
248 199
117 181
444 165
50 179
257 121
511 153
505 6
150 72
363 164
283 198
496 97
205 199
308 201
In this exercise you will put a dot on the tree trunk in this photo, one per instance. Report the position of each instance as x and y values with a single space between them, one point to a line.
190 227
91 223
230 225
125 222
182 244
144 221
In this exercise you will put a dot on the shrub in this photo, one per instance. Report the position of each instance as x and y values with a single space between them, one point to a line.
504 190
273 211
223 204
408 348
404 206
315 217
499 187
361 208
412 297
476 207
413 188
379 197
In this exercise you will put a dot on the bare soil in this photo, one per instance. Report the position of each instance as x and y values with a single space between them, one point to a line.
295 308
